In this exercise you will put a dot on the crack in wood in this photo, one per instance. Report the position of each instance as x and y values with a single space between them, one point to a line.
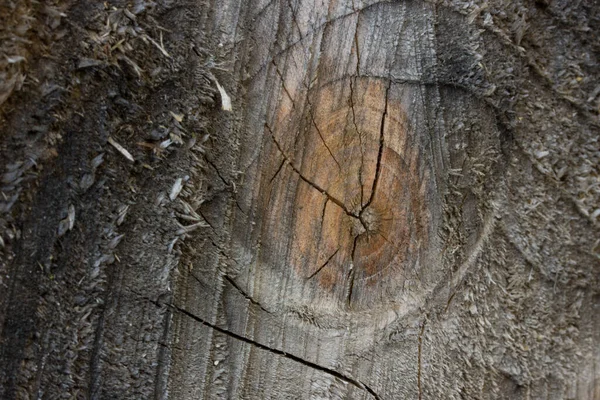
351 273
308 181
223 253
513 48
277 172
295 18
244 294
283 84
323 213
200 282
362 153
212 164
313 30
312 117
380 153
324 265
356 44
206 220
289 356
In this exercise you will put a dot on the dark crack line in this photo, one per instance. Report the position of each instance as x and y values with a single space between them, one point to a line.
356 44
309 182
201 283
223 253
277 172
511 46
351 272
384 238
323 266
240 207
312 118
206 220
336 374
314 122
350 286
380 153
295 19
314 28
283 84
323 213
229 185
260 12
362 153
212 164
246 295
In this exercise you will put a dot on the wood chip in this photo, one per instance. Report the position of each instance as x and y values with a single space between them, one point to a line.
176 189
178 117
68 223
15 59
190 228
7 87
158 46
225 99
121 149
71 217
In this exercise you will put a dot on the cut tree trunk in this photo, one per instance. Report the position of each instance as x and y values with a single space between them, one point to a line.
402 203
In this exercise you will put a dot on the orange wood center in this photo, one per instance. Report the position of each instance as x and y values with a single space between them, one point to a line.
359 211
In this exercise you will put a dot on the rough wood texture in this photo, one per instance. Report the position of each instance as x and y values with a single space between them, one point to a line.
403 203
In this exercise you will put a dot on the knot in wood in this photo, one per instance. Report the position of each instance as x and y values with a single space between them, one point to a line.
353 195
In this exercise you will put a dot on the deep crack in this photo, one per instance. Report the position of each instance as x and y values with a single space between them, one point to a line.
308 181
362 153
277 172
323 213
351 272
334 373
380 154
212 164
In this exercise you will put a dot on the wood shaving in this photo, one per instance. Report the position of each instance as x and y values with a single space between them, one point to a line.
176 189
225 99
121 149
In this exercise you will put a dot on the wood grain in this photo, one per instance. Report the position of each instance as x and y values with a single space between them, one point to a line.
402 202
364 233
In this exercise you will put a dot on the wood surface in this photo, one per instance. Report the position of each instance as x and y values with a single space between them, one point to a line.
402 202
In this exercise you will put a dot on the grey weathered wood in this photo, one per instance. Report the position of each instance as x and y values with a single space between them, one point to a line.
402 204
467 308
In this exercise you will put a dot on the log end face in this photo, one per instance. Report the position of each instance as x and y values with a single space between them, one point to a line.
358 216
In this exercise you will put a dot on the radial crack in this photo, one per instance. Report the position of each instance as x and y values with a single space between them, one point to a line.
283 84
356 44
277 172
350 286
295 20
312 118
351 272
308 181
362 153
323 266
323 213
380 154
